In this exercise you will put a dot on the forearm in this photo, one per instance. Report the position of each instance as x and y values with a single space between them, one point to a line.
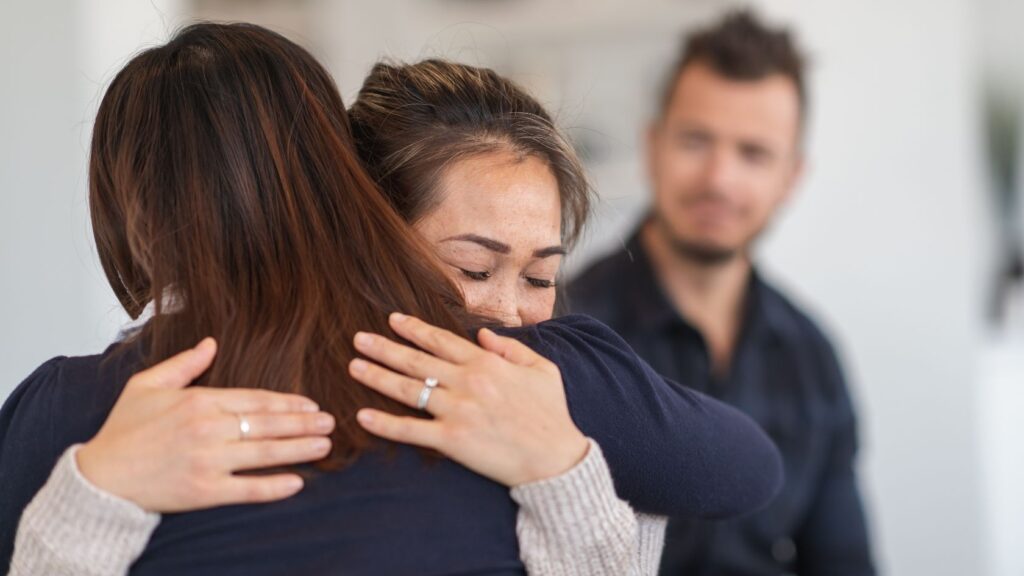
575 524
72 528
673 451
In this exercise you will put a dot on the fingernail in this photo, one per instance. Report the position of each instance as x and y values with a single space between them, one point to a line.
363 339
293 484
365 416
309 407
324 423
398 317
358 366
320 444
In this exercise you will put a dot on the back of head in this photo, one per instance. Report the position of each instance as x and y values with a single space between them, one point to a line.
741 47
225 190
411 121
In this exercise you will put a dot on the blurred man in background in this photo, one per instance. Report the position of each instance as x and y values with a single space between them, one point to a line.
723 155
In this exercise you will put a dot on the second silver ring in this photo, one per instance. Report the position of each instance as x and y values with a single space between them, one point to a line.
428 387
244 428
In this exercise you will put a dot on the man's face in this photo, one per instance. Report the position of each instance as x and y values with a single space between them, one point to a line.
722 159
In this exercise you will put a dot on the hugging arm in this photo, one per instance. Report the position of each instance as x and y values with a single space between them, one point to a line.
671 450
162 448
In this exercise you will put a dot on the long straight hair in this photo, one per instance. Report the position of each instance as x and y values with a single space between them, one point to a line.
224 188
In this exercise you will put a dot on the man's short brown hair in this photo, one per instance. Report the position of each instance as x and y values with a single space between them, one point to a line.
741 47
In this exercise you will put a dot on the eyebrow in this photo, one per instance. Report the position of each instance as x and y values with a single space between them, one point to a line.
502 248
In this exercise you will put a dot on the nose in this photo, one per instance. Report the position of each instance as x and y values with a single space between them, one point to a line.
720 170
506 310
512 317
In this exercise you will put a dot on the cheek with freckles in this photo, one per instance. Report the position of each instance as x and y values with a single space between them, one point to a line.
537 306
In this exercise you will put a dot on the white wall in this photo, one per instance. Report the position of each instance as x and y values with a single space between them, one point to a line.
1001 382
57 58
887 240
45 255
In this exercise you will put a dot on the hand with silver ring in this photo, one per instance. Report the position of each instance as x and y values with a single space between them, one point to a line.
169 447
501 411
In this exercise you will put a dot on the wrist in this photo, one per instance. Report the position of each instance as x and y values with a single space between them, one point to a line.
87 462
559 458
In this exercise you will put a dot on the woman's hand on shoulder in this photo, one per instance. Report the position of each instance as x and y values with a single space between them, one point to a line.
169 448
498 408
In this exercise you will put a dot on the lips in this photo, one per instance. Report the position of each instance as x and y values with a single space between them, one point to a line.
711 210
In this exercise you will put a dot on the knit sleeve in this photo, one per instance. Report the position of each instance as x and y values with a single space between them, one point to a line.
74 528
575 524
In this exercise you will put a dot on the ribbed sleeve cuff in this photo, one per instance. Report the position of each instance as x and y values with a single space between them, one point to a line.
72 527
650 542
576 516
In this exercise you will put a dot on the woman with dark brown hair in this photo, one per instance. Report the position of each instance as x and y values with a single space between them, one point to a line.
225 192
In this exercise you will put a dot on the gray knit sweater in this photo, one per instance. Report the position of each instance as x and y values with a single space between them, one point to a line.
569 525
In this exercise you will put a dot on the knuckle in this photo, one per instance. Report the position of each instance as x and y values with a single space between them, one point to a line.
266 451
482 384
475 379
379 376
490 362
263 399
197 427
306 426
194 400
414 359
260 426
410 388
435 339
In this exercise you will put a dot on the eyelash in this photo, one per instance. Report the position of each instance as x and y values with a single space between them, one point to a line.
477 276
483 276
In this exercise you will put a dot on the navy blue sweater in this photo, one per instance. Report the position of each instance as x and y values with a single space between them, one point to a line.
671 451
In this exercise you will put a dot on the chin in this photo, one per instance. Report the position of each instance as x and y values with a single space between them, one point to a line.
705 251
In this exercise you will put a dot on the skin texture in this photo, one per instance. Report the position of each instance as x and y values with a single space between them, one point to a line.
500 409
498 231
170 449
723 158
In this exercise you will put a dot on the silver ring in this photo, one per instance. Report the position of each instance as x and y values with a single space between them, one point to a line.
428 387
244 428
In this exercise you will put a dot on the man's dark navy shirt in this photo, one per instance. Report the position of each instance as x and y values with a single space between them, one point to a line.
785 375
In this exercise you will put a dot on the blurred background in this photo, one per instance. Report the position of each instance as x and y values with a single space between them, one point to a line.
905 239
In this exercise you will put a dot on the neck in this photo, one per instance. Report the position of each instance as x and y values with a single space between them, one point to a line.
711 297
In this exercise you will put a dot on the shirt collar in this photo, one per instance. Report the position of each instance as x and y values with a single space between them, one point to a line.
765 308
651 305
